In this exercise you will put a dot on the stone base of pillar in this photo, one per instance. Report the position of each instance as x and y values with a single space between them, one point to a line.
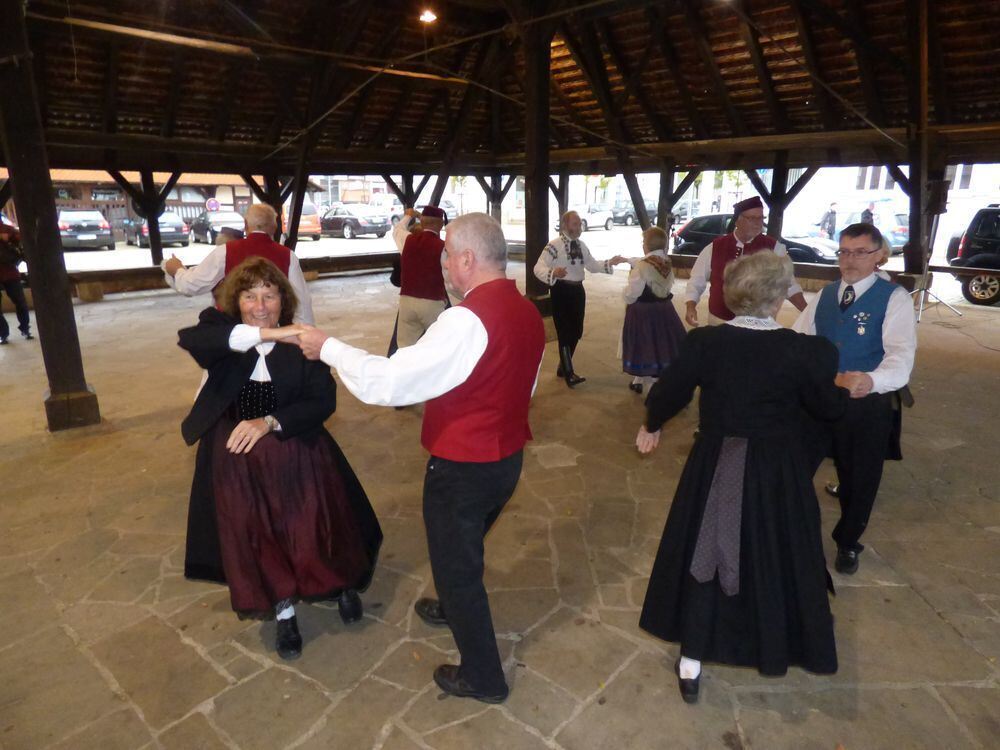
67 410
90 291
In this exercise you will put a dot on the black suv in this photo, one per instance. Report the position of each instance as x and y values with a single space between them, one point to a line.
625 213
692 238
979 247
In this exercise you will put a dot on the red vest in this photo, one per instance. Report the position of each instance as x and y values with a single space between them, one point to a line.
724 253
420 267
486 417
257 244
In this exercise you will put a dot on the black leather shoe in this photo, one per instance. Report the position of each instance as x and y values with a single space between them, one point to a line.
350 607
288 642
846 562
635 387
430 611
573 380
448 679
688 687
832 489
27 336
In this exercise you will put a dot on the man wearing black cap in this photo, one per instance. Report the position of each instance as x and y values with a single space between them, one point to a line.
422 296
746 238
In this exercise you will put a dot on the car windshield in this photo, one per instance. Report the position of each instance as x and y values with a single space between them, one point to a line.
169 217
81 216
308 209
224 216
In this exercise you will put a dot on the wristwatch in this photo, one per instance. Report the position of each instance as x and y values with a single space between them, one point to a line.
272 423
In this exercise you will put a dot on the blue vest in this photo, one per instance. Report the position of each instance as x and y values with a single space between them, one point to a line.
857 331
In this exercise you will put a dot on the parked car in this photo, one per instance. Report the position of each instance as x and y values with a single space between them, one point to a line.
693 236
84 228
206 225
625 213
173 230
979 247
594 216
309 225
355 219
894 225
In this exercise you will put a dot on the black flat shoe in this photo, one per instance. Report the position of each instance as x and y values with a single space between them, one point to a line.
573 380
688 687
847 561
635 387
288 642
448 679
430 611
832 489
350 607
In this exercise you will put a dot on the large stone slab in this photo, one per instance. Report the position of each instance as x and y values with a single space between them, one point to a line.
573 576
269 710
978 709
193 733
410 665
490 730
538 702
872 719
48 690
641 707
359 719
25 601
165 677
577 653
121 730
391 596
209 620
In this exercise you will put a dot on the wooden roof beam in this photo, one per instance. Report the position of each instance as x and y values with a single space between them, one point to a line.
811 65
658 28
752 41
699 32
866 66
111 89
852 31
587 56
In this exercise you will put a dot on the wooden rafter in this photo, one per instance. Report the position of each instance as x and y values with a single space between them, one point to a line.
699 32
230 89
111 89
586 53
752 41
658 28
852 31
942 98
812 66
866 66
386 43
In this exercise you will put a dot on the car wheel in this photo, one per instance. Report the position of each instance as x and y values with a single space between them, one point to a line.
395 220
316 237
982 289
380 235
583 225
192 237
211 236
608 224
348 232
629 221
184 243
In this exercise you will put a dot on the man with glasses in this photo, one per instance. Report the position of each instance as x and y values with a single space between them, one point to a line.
746 238
871 322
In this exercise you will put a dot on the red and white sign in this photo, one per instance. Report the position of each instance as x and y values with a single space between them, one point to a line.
212 205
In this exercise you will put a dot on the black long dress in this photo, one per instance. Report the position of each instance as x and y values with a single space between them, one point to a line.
288 520
755 385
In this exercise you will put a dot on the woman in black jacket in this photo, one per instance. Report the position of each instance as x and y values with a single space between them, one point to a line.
276 511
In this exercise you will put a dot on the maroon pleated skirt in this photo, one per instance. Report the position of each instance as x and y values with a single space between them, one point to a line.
287 529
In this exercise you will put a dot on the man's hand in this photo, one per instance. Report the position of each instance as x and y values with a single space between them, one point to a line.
173 265
246 434
860 384
617 260
311 341
691 314
559 272
647 441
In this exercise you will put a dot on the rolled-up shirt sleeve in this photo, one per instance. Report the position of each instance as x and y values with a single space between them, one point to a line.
202 277
401 231
244 337
899 340
442 359
700 271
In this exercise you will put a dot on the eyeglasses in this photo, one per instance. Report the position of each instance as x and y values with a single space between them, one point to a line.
841 253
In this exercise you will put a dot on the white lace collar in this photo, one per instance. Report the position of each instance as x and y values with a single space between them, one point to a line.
757 324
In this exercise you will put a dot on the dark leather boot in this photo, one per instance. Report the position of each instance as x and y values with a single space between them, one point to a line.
566 358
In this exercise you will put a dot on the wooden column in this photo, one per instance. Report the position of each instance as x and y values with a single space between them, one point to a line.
638 202
153 208
495 196
537 56
663 199
918 145
301 183
779 197
69 402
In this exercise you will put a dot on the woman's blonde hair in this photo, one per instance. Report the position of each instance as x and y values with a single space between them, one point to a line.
656 237
754 284
251 273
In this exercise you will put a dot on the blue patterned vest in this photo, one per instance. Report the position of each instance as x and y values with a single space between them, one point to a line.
857 331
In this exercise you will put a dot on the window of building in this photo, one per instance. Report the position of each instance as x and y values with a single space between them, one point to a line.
965 178
890 182
862 178
876 174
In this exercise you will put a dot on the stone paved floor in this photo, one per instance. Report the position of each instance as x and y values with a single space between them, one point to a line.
103 644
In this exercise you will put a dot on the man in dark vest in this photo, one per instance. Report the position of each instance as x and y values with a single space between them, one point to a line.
261 224
745 239
476 367
871 322
422 296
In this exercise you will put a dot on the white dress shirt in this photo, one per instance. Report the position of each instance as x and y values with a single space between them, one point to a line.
402 230
556 255
899 334
206 275
701 273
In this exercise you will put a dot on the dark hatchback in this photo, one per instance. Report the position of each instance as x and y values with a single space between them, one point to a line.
173 230
694 235
979 247
81 229
205 226
355 219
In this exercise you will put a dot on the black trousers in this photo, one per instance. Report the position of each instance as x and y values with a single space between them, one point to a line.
860 439
569 304
16 293
461 502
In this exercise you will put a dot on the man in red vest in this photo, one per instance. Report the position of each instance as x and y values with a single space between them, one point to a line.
422 296
746 238
261 224
476 367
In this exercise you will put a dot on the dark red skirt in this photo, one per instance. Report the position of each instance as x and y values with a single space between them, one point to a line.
287 528
651 337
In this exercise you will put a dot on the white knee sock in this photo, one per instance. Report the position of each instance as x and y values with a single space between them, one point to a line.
689 668
637 379
286 614
648 381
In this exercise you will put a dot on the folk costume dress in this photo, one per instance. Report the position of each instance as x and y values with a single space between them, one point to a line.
739 577
289 519
652 332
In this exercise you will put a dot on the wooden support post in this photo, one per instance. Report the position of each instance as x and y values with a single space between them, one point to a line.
409 198
638 202
70 402
153 209
663 199
779 192
4 193
272 197
537 57
918 136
